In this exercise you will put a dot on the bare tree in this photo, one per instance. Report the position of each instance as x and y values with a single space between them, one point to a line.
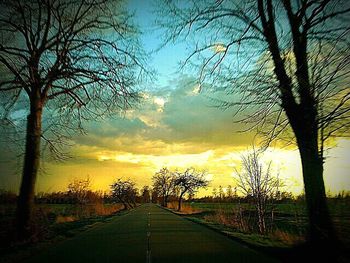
257 181
286 65
215 193
154 196
230 194
221 193
189 182
163 184
125 192
146 194
78 189
77 60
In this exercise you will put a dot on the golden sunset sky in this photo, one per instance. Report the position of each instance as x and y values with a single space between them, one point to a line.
176 128
173 127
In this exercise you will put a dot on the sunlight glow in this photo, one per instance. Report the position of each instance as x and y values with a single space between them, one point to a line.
159 161
218 48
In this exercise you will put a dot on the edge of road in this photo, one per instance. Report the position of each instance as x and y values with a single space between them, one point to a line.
277 253
18 254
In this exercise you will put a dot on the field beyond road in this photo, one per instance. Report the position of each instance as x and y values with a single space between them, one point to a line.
149 234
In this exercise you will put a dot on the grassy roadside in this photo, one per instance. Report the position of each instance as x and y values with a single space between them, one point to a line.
255 241
57 232
261 243
284 247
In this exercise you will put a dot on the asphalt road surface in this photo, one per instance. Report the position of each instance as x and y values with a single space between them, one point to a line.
149 234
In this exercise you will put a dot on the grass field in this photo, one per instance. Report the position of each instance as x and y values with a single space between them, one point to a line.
336 207
287 225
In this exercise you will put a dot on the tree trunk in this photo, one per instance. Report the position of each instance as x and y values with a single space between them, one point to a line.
165 201
261 217
30 169
180 203
321 231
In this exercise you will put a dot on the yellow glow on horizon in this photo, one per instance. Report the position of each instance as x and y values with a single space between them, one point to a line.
159 161
219 163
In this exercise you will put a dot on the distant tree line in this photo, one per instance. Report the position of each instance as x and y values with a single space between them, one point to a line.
79 192
226 197
219 194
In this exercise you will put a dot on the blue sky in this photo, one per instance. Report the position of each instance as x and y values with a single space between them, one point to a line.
166 60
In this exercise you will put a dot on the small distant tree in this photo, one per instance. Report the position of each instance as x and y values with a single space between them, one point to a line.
78 190
146 194
257 181
214 193
189 182
125 192
154 196
229 192
163 184
221 193
286 197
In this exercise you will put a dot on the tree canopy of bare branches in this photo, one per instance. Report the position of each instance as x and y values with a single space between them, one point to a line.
66 61
146 194
284 65
257 181
163 184
78 189
168 183
124 191
188 182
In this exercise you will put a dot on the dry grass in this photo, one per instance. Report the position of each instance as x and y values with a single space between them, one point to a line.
98 209
186 209
105 210
234 219
287 238
65 219
86 211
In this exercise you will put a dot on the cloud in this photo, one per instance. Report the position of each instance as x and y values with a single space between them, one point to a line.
176 115
176 126
192 117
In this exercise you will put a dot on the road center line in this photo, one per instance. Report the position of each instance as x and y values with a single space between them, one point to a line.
148 252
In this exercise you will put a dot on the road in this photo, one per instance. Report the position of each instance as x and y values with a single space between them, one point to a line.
149 234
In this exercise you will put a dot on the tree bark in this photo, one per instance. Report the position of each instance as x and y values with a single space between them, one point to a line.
303 118
321 230
261 217
166 201
180 203
30 169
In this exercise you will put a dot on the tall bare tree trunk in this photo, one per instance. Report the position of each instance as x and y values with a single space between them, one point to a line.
321 230
180 203
165 201
261 217
321 233
30 170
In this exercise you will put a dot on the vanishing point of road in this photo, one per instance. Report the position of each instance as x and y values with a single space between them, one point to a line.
148 234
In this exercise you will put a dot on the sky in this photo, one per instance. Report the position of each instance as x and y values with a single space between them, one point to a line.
176 126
